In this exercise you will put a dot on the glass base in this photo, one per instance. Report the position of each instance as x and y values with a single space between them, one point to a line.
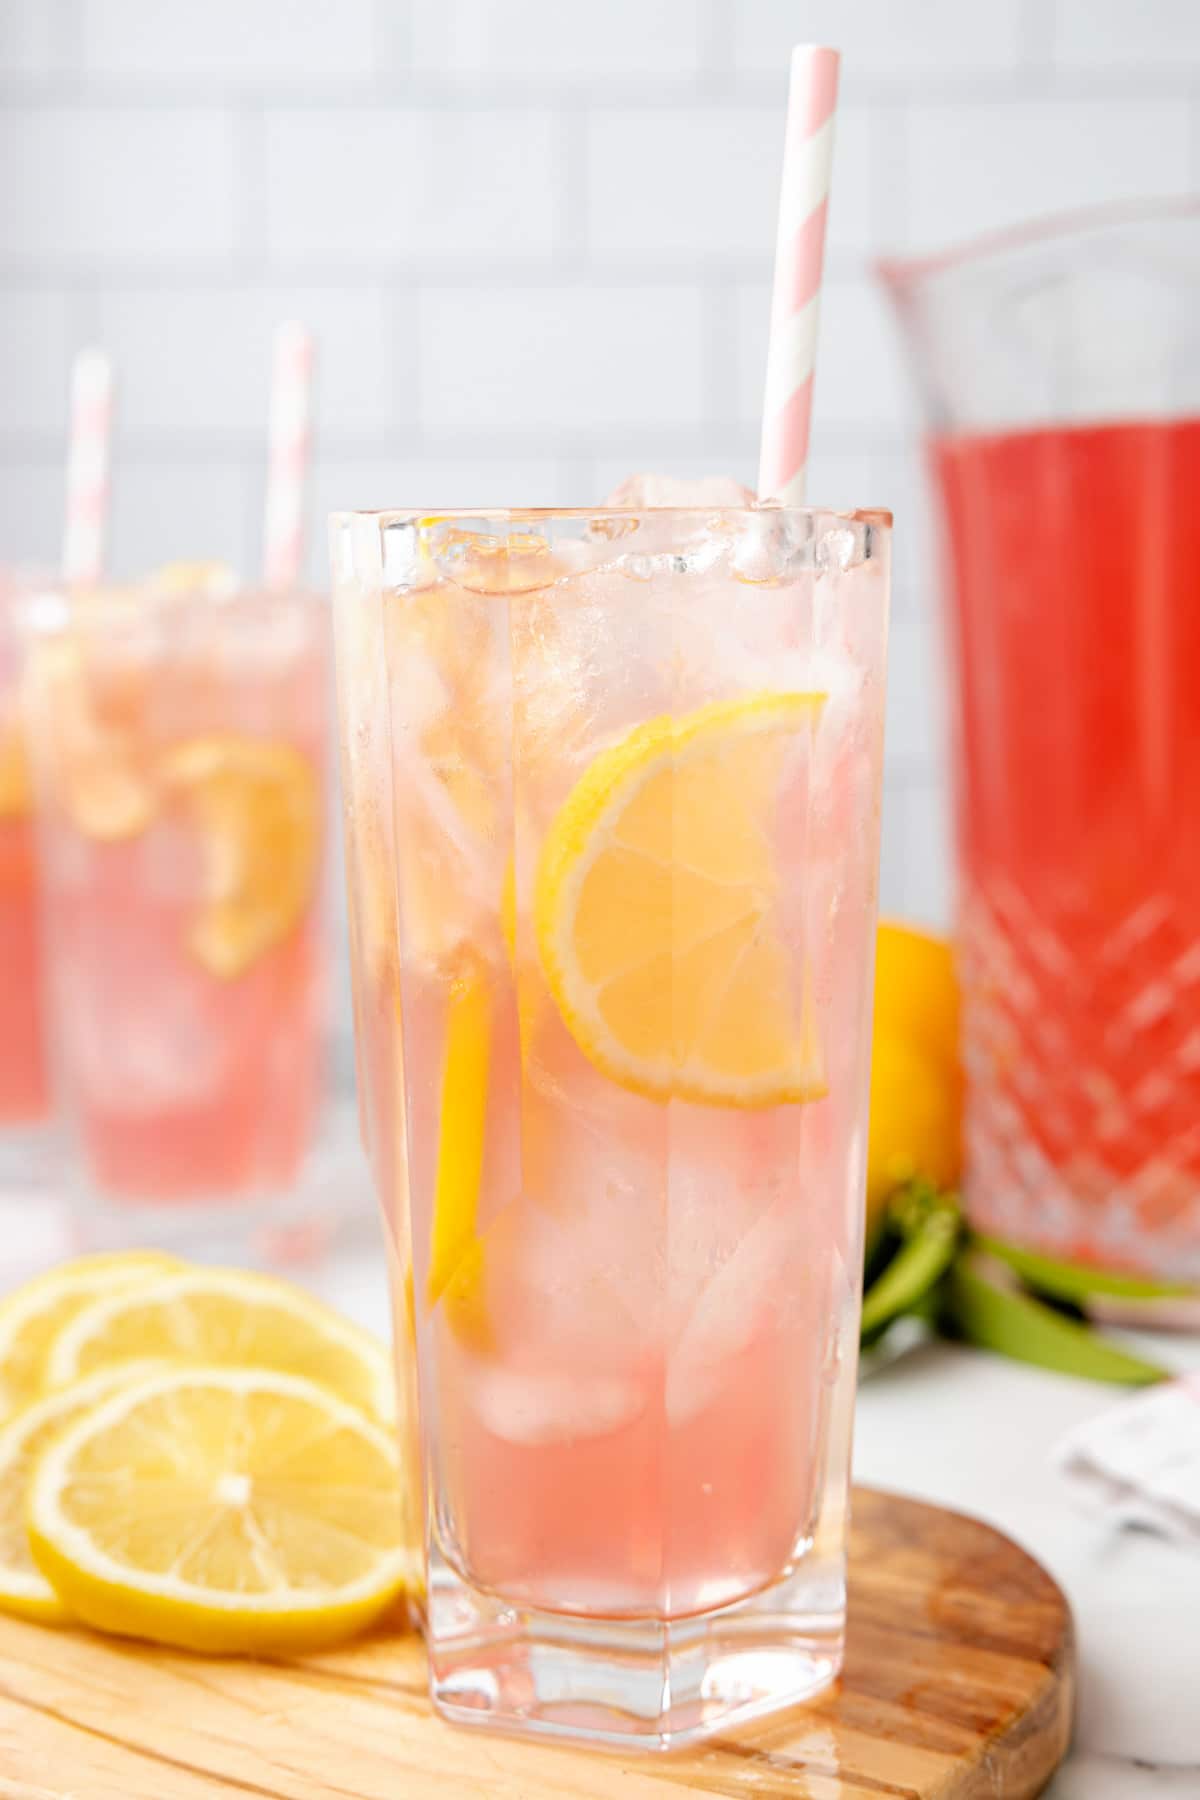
293 1228
631 1684
28 1157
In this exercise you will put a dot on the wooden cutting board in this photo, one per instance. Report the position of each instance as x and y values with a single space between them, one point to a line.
958 1686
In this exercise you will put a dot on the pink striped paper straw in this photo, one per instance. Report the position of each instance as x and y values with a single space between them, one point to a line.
799 254
89 444
288 445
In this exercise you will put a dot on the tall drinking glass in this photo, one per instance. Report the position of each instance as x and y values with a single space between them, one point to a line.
24 1084
613 795
1061 369
180 749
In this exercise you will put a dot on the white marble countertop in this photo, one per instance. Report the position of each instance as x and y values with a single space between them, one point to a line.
975 1432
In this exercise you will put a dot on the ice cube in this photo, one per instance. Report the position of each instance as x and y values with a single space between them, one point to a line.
670 490
484 563
553 1406
140 1033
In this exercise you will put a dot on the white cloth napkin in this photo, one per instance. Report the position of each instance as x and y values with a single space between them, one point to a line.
1139 1463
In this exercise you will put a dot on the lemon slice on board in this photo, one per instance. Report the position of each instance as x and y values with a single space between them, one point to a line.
225 1510
654 909
257 806
228 1316
32 1316
24 1590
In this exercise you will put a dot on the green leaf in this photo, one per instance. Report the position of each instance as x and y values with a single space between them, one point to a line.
931 1228
983 1305
1076 1281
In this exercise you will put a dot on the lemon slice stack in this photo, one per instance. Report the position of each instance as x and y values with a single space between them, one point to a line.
202 1457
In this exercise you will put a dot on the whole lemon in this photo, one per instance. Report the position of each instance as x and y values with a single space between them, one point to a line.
916 990
916 1081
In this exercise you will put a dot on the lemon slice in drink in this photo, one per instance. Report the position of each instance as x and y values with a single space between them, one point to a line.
215 579
654 909
24 1590
226 1510
456 1252
228 1316
32 1316
257 807
99 771
14 771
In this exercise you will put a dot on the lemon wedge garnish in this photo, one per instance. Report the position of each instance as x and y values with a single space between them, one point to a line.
227 1316
32 1317
216 579
456 1252
257 807
24 1590
655 909
15 793
222 1509
99 770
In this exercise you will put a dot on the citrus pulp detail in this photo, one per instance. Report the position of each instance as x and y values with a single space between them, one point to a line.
24 1590
222 1509
257 808
655 909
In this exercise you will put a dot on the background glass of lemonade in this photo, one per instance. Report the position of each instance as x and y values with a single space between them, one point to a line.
613 785
179 741
24 1084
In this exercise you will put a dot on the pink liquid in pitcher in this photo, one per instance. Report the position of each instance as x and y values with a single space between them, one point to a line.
1075 560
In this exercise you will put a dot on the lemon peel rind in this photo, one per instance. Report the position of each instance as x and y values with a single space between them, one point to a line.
62 1365
229 935
123 1268
26 1594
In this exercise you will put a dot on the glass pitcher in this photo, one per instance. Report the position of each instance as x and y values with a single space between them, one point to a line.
1060 370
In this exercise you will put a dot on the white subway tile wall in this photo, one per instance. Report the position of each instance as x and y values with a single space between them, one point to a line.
534 240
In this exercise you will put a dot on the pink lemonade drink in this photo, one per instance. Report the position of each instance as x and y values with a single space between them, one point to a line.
180 750
24 1089
613 802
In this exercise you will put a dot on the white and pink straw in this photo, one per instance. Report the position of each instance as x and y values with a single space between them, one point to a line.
288 448
799 257
89 444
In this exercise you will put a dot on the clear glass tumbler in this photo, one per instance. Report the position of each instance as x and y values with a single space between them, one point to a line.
613 794
179 742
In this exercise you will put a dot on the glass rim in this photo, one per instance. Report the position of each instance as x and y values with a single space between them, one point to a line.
52 606
901 273
430 516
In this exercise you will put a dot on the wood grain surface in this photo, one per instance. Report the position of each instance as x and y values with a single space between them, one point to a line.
958 1686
